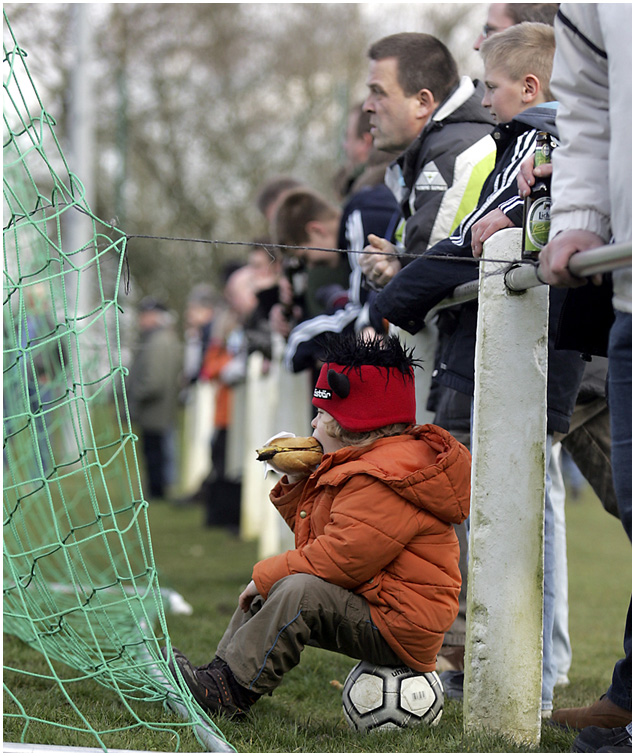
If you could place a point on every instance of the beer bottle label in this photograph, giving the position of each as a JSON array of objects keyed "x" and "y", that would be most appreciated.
[
  {"x": 537, "y": 228},
  {"x": 542, "y": 154}
]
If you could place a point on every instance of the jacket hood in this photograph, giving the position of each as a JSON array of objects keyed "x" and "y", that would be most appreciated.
[
  {"x": 425, "y": 465},
  {"x": 540, "y": 117},
  {"x": 463, "y": 105}
]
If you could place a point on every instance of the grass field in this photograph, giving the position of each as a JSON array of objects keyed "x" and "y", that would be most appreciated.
[{"x": 209, "y": 568}]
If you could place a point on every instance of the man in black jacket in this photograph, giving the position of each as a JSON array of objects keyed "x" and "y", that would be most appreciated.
[
  {"x": 421, "y": 110},
  {"x": 419, "y": 106}
]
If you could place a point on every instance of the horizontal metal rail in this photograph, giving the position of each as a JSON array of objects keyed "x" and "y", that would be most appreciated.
[
  {"x": 582, "y": 265},
  {"x": 522, "y": 276}
]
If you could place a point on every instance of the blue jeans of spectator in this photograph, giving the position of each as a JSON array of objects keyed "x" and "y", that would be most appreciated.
[
  {"x": 620, "y": 398},
  {"x": 154, "y": 451}
]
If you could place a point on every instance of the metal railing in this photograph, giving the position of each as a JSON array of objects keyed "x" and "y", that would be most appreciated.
[{"x": 522, "y": 276}]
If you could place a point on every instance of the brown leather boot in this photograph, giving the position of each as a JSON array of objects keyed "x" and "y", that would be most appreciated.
[
  {"x": 212, "y": 685},
  {"x": 602, "y": 713}
]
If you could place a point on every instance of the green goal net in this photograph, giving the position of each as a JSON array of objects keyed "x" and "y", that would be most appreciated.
[{"x": 80, "y": 583}]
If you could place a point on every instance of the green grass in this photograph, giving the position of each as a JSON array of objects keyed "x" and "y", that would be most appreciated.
[
  {"x": 600, "y": 583},
  {"x": 209, "y": 568}
]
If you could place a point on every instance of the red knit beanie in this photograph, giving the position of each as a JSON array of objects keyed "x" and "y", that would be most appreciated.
[{"x": 365, "y": 397}]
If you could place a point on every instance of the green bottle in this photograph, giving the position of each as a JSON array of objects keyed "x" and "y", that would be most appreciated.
[{"x": 537, "y": 211}]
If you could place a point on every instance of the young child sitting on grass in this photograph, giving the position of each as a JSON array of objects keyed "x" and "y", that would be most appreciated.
[{"x": 374, "y": 573}]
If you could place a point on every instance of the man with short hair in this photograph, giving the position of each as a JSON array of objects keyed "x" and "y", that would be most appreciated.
[
  {"x": 410, "y": 74},
  {"x": 421, "y": 107},
  {"x": 422, "y": 110}
]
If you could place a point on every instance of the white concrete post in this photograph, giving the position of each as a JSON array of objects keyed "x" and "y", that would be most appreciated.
[
  {"x": 198, "y": 430},
  {"x": 425, "y": 345},
  {"x": 256, "y": 432},
  {"x": 290, "y": 403},
  {"x": 503, "y": 653},
  {"x": 81, "y": 123}
]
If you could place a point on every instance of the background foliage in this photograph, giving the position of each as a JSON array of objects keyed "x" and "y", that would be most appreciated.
[{"x": 196, "y": 104}]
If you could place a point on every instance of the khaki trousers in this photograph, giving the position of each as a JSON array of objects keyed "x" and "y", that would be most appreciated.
[
  {"x": 264, "y": 643},
  {"x": 589, "y": 444}
]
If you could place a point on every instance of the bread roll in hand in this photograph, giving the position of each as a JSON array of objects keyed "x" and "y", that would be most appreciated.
[{"x": 296, "y": 455}]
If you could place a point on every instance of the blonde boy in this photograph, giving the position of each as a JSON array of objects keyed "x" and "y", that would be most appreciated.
[{"x": 518, "y": 64}]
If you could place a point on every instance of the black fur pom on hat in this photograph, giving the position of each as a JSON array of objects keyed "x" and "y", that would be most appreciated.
[
  {"x": 380, "y": 351},
  {"x": 366, "y": 383}
]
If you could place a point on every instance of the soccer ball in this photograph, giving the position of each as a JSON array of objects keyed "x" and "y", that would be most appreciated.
[{"x": 385, "y": 698}]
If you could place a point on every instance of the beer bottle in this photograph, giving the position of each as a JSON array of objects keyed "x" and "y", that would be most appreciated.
[{"x": 537, "y": 210}]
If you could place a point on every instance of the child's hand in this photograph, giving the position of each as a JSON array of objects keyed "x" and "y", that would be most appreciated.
[
  {"x": 527, "y": 175},
  {"x": 487, "y": 226},
  {"x": 247, "y": 596},
  {"x": 300, "y": 476}
]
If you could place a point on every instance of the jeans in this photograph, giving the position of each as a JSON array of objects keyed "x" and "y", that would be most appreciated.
[{"x": 620, "y": 398}]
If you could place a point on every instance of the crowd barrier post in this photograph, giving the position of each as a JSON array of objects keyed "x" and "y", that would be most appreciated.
[
  {"x": 198, "y": 429},
  {"x": 503, "y": 654},
  {"x": 257, "y": 429},
  {"x": 288, "y": 402}
]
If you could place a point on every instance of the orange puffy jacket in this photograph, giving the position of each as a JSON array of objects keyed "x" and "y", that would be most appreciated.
[{"x": 377, "y": 521}]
